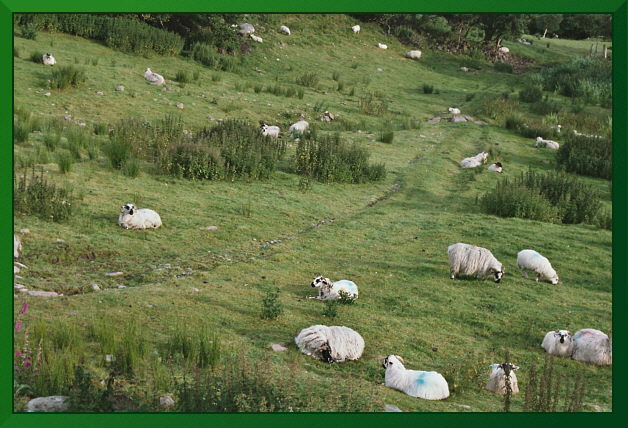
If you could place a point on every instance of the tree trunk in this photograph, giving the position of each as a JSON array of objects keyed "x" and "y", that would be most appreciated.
[{"x": 544, "y": 33}]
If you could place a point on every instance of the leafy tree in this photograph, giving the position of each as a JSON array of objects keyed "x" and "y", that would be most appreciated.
[
  {"x": 542, "y": 22},
  {"x": 498, "y": 26}
]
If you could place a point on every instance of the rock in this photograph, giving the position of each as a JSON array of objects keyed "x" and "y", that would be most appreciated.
[
  {"x": 120, "y": 88},
  {"x": 60, "y": 241},
  {"x": 465, "y": 69},
  {"x": 180, "y": 105},
  {"x": 195, "y": 289},
  {"x": 391, "y": 408},
  {"x": 246, "y": 29},
  {"x": 100, "y": 93},
  {"x": 47, "y": 94},
  {"x": 95, "y": 287},
  {"x": 480, "y": 122},
  {"x": 434, "y": 120},
  {"x": 18, "y": 286},
  {"x": 54, "y": 403},
  {"x": 23, "y": 290},
  {"x": 458, "y": 119},
  {"x": 37, "y": 293},
  {"x": 166, "y": 401},
  {"x": 82, "y": 124},
  {"x": 114, "y": 273},
  {"x": 469, "y": 118},
  {"x": 277, "y": 347},
  {"x": 464, "y": 406},
  {"x": 16, "y": 269},
  {"x": 121, "y": 287},
  {"x": 380, "y": 69},
  {"x": 596, "y": 408},
  {"x": 25, "y": 231},
  {"x": 209, "y": 228},
  {"x": 67, "y": 117}
]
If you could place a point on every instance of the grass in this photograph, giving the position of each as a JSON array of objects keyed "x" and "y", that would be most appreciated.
[{"x": 380, "y": 237}]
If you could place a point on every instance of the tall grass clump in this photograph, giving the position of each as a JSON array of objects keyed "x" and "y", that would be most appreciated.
[
  {"x": 64, "y": 161},
  {"x": 308, "y": 79},
  {"x": 547, "y": 391},
  {"x": 271, "y": 306},
  {"x": 183, "y": 77},
  {"x": 369, "y": 104},
  {"x": 198, "y": 347},
  {"x": 34, "y": 195},
  {"x": 427, "y": 88},
  {"x": 591, "y": 156},
  {"x": 328, "y": 159},
  {"x": 131, "y": 167},
  {"x": 530, "y": 94},
  {"x": 37, "y": 57},
  {"x": 387, "y": 136},
  {"x": 207, "y": 55},
  {"x": 67, "y": 76},
  {"x": 588, "y": 79}
]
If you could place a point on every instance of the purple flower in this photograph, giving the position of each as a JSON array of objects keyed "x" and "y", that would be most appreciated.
[
  {"x": 27, "y": 363},
  {"x": 24, "y": 308},
  {"x": 18, "y": 325},
  {"x": 18, "y": 354}
]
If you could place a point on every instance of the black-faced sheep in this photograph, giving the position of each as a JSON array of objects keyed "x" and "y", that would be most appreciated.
[
  {"x": 495, "y": 167},
  {"x": 48, "y": 59},
  {"x": 328, "y": 290},
  {"x": 592, "y": 346},
  {"x": 270, "y": 131},
  {"x": 330, "y": 344},
  {"x": 132, "y": 218},
  {"x": 559, "y": 343},
  {"x": 416, "y": 383},
  {"x": 465, "y": 259}
]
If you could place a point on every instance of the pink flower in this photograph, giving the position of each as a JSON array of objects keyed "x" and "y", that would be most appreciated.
[
  {"x": 27, "y": 363},
  {"x": 24, "y": 308},
  {"x": 18, "y": 325},
  {"x": 18, "y": 354}
]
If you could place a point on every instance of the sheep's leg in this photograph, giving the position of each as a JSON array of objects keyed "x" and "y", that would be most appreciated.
[
  {"x": 452, "y": 276},
  {"x": 538, "y": 275},
  {"x": 524, "y": 273}
]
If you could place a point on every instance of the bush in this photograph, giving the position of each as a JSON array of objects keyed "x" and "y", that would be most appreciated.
[
  {"x": 428, "y": 89},
  {"x": 588, "y": 79},
  {"x": 271, "y": 306},
  {"x": 29, "y": 31},
  {"x": 587, "y": 156},
  {"x": 308, "y": 79},
  {"x": 206, "y": 55},
  {"x": 67, "y": 76},
  {"x": 546, "y": 106},
  {"x": 368, "y": 104},
  {"x": 335, "y": 76},
  {"x": 503, "y": 67},
  {"x": 37, "y": 57},
  {"x": 183, "y": 77},
  {"x": 131, "y": 167},
  {"x": 330, "y": 308},
  {"x": 387, "y": 137},
  {"x": 35, "y": 196},
  {"x": 515, "y": 121},
  {"x": 101, "y": 129},
  {"x": 530, "y": 94}
]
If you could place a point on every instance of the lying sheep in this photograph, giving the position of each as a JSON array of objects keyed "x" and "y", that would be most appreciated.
[
  {"x": 269, "y": 131},
  {"x": 540, "y": 142},
  {"x": 246, "y": 29},
  {"x": 153, "y": 78},
  {"x": 504, "y": 49},
  {"x": 256, "y": 38},
  {"x": 328, "y": 290},
  {"x": 453, "y": 110},
  {"x": 465, "y": 69},
  {"x": 474, "y": 161},
  {"x": 48, "y": 59},
  {"x": 531, "y": 260},
  {"x": 497, "y": 380},
  {"x": 17, "y": 246},
  {"x": 592, "y": 346},
  {"x": 382, "y": 46},
  {"x": 330, "y": 344},
  {"x": 298, "y": 128},
  {"x": 413, "y": 54},
  {"x": 416, "y": 383},
  {"x": 356, "y": 29},
  {"x": 495, "y": 167},
  {"x": 558, "y": 342},
  {"x": 465, "y": 259},
  {"x": 132, "y": 218},
  {"x": 285, "y": 30}
]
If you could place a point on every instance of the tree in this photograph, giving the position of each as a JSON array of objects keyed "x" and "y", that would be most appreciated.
[
  {"x": 498, "y": 26},
  {"x": 545, "y": 22}
]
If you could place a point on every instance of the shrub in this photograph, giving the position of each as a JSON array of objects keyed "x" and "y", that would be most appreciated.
[
  {"x": 346, "y": 298},
  {"x": 206, "y": 55},
  {"x": 530, "y": 94},
  {"x": 587, "y": 156},
  {"x": 546, "y": 106},
  {"x": 330, "y": 308},
  {"x": 387, "y": 137},
  {"x": 335, "y": 76},
  {"x": 544, "y": 394},
  {"x": 588, "y": 79},
  {"x": 37, "y": 57},
  {"x": 118, "y": 151},
  {"x": 368, "y": 104},
  {"x": 131, "y": 167},
  {"x": 21, "y": 130},
  {"x": 67, "y": 76},
  {"x": 16, "y": 52},
  {"x": 35, "y": 196},
  {"x": 28, "y": 31},
  {"x": 428, "y": 89},
  {"x": 341, "y": 86},
  {"x": 503, "y": 67},
  {"x": 183, "y": 77},
  {"x": 308, "y": 79},
  {"x": 300, "y": 93},
  {"x": 65, "y": 161},
  {"x": 200, "y": 347},
  {"x": 515, "y": 121},
  {"x": 271, "y": 306},
  {"x": 101, "y": 129}
]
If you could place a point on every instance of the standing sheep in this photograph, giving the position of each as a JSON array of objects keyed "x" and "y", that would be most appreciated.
[
  {"x": 413, "y": 54},
  {"x": 497, "y": 380},
  {"x": 356, "y": 29},
  {"x": 328, "y": 290},
  {"x": 330, "y": 344},
  {"x": 153, "y": 78},
  {"x": 285, "y": 30},
  {"x": 592, "y": 346},
  {"x": 465, "y": 259},
  {"x": 531, "y": 260},
  {"x": 298, "y": 128},
  {"x": 270, "y": 131},
  {"x": 549, "y": 144},
  {"x": 495, "y": 167},
  {"x": 132, "y": 218},
  {"x": 48, "y": 59},
  {"x": 17, "y": 246},
  {"x": 474, "y": 161},
  {"x": 559, "y": 343},
  {"x": 416, "y": 383}
]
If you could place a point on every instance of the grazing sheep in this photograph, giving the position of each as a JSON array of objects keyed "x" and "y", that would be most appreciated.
[
  {"x": 298, "y": 128},
  {"x": 48, "y": 59},
  {"x": 246, "y": 29},
  {"x": 465, "y": 69},
  {"x": 17, "y": 246},
  {"x": 504, "y": 49},
  {"x": 132, "y": 218},
  {"x": 416, "y": 383},
  {"x": 285, "y": 30},
  {"x": 558, "y": 342},
  {"x": 465, "y": 259},
  {"x": 474, "y": 161},
  {"x": 256, "y": 38},
  {"x": 454, "y": 110},
  {"x": 497, "y": 380},
  {"x": 153, "y": 78},
  {"x": 592, "y": 346},
  {"x": 413, "y": 54},
  {"x": 270, "y": 131},
  {"x": 356, "y": 29},
  {"x": 330, "y": 344},
  {"x": 531, "y": 260},
  {"x": 540, "y": 142},
  {"x": 496, "y": 167},
  {"x": 382, "y": 46},
  {"x": 328, "y": 290}
]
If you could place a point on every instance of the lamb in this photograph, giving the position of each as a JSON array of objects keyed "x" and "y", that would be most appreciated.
[
  {"x": 48, "y": 59},
  {"x": 356, "y": 29},
  {"x": 465, "y": 259},
  {"x": 454, "y": 110},
  {"x": 132, "y": 218},
  {"x": 415, "y": 383},
  {"x": 246, "y": 29},
  {"x": 382, "y": 46},
  {"x": 17, "y": 246},
  {"x": 413, "y": 54},
  {"x": 474, "y": 161},
  {"x": 496, "y": 167},
  {"x": 270, "y": 131},
  {"x": 328, "y": 290},
  {"x": 531, "y": 260},
  {"x": 330, "y": 344},
  {"x": 153, "y": 78},
  {"x": 497, "y": 380},
  {"x": 559, "y": 343},
  {"x": 540, "y": 142},
  {"x": 504, "y": 49},
  {"x": 592, "y": 346},
  {"x": 285, "y": 30},
  {"x": 256, "y": 38},
  {"x": 299, "y": 127}
]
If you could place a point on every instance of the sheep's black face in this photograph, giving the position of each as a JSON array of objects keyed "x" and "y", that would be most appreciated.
[
  {"x": 385, "y": 363},
  {"x": 326, "y": 355},
  {"x": 498, "y": 276},
  {"x": 319, "y": 280},
  {"x": 128, "y": 209}
]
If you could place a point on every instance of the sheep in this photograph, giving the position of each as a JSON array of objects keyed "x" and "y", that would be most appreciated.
[
  {"x": 153, "y": 78},
  {"x": 48, "y": 59},
  {"x": 413, "y": 54},
  {"x": 465, "y": 69},
  {"x": 299, "y": 127},
  {"x": 132, "y": 218},
  {"x": 246, "y": 29},
  {"x": 17, "y": 246},
  {"x": 504, "y": 49},
  {"x": 592, "y": 346},
  {"x": 453, "y": 110},
  {"x": 474, "y": 161},
  {"x": 256, "y": 38},
  {"x": 558, "y": 342},
  {"x": 540, "y": 142},
  {"x": 382, "y": 46},
  {"x": 497, "y": 379},
  {"x": 465, "y": 259},
  {"x": 496, "y": 167},
  {"x": 356, "y": 29},
  {"x": 270, "y": 131},
  {"x": 330, "y": 344},
  {"x": 531, "y": 260},
  {"x": 285, "y": 30},
  {"x": 328, "y": 290},
  {"x": 557, "y": 128},
  {"x": 415, "y": 383}
]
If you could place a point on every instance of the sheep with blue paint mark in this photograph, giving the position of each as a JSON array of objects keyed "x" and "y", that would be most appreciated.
[
  {"x": 328, "y": 290},
  {"x": 333, "y": 344},
  {"x": 497, "y": 380},
  {"x": 592, "y": 346},
  {"x": 415, "y": 383},
  {"x": 559, "y": 343},
  {"x": 532, "y": 260}
]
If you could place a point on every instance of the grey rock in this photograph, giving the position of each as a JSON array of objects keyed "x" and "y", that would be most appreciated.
[
  {"x": 458, "y": 119},
  {"x": 391, "y": 408},
  {"x": 120, "y": 88},
  {"x": 464, "y": 406},
  {"x": 100, "y": 93},
  {"x": 54, "y": 403},
  {"x": 434, "y": 120},
  {"x": 277, "y": 347},
  {"x": 166, "y": 401},
  {"x": 180, "y": 105},
  {"x": 25, "y": 231},
  {"x": 38, "y": 293},
  {"x": 114, "y": 274},
  {"x": 209, "y": 228},
  {"x": 469, "y": 118},
  {"x": 19, "y": 286},
  {"x": 480, "y": 122},
  {"x": 121, "y": 286},
  {"x": 95, "y": 287}
]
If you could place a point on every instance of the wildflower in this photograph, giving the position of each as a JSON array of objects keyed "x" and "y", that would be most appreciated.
[
  {"x": 27, "y": 363},
  {"x": 24, "y": 308},
  {"x": 18, "y": 354},
  {"x": 18, "y": 325}
]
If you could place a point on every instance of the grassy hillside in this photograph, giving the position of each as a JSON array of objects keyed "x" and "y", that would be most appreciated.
[{"x": 389, "y": 237}]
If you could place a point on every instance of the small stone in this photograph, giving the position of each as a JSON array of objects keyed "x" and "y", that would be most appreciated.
[
  {"x": 469, "y": 118},
  {"x": 433, "y": 349},
  {"x": 23, "y": 290},
  {"x": 114, "y": 274},
  {"x": 18, "y": 286},
  {"x": 209, "y": 228},
  {"x": 180, "y": 105},
  {"x": 464, "y": 406},
  {"x": 37, "y": 293},
  {"x": 458, "y": 119},
  {"x": 95, "y": 287},
  {"x": 82, "y": 124},
  {"x": 380, "y": 69},
  {"x": 47, "y": 94},
  {"x": 480, "y": 122},
  {"x": 67, "y": 117},
  {"x": 121, "y": 286},
  {"x": 167, "y": 266},
  {"x": 109, "y": 358},
  {"x": 166, "y": 401},
  {"x": 16, "y": 269},
  {"x": 25, "y": 231},
  {"x": 73, "y": 313},
  {"x": 120, "y": 88},
  {"x": 54, "y": 403},
  {"x": 277, "y": 347},
  {"x": 100, "y": 93},
  {"x": 195, "y": 289},
  {"x": 391, "y": 408},
  {"x": 60, "y": 241}
]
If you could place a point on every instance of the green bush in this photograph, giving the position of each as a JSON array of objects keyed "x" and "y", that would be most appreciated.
[
  {"x": 35, "y": 196},
  {"x": 584, "y": 155},
  {"x": 387, "y": 137},
  {"x": 131, "y": 167},
  {"x": 546, "y": 106},
  {"x": 335, "y": 76},
  {"x": 588, "y": 79},
  {"x": 530, "y": 94},
  {"x": 428, "y": 89},
  {"x": 503, "y": 67},
  {"x": 271, "y": 306},
  {"x": 183, "y": 77},
  {"x": 37, "y": 57},
  {"x": 118, "y": 151},
  {"x": 29, "y": 31},
  {"x": 65, "y": 161},
  {"x": 369, "y": 104},
  {"x": 101, "y": 129},
  {"x": 308, "y": 79},
  {"x": 66, "y": 76},
  {"x": 330, "y": 308},
  {"x": 515, "y": 121},
  {"x": 206, "y": 55}
]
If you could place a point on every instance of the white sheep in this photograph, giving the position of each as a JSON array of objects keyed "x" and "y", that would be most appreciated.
[
  {"x": 132, "y": 218},
  {"x": 328, "y": 290},
  {"x": 474, "y": 161},
  {"x": 330, "y": 344},
  {"x": 285, "y": 30},
  {"x": 17, "y": 246},
  {"x": 356, "y": 29},
  {"x": 497, "y": 379},
  {"x": 246, "y": 29},
  {"x": 299, "y": 127},
  {"x": 382, "y": 46},
  {"x": 256, "y": 38},
  {"x": 453, "y": 110},
  {"x": 540, "y": 142},
  {"x": 465, "y": 69},
  {"x": 558, "y": 342},
  {"x": 592, "y": 346},
  {"x": 269, "y": 131},
  {"x": 416, "y": 383},
  {"x": 48, "y": 59},
  {"x": 153, "y": 78},
  {"x": 465, "y": 259},
  {"x": 413, "y": 54},
  {"x": 504, "y": 49},
  {"x": 495, "y": 167},
  {"x": 532, "y": 260}
]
